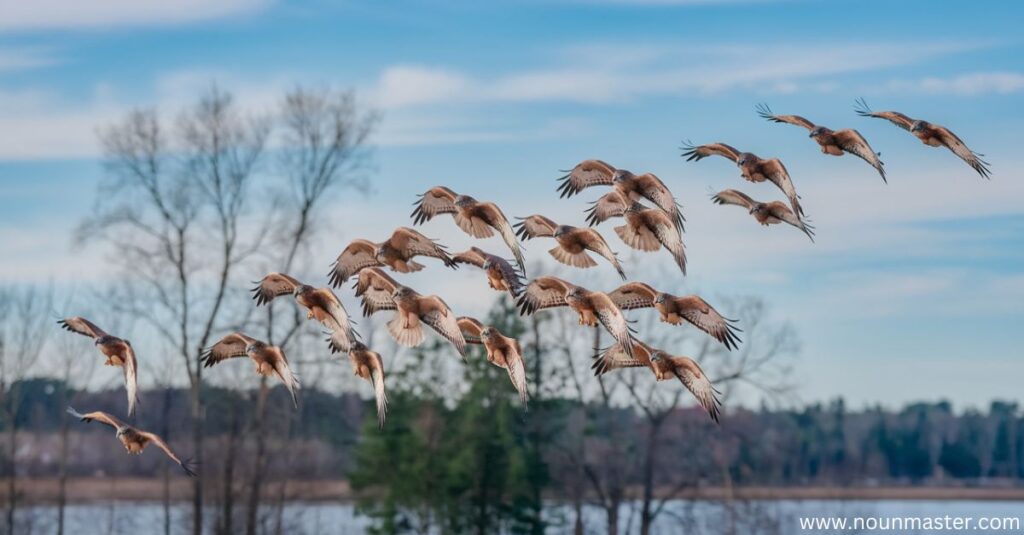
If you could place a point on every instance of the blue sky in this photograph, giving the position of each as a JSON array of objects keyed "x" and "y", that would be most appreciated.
[{"x": 914, "y": 290}]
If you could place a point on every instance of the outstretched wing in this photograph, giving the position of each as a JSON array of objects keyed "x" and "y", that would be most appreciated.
[
  {"x": 851, "y": 141},
  {"x": 668, "y": 234},
  {"x": 764, "y": 111},
  {"x": 633, "y": 295},
  {"x": 953, "y": 143},
  {"x": 777, "y": 173},
  {"x": 698, "y": 312},
  {"x": 284, "y": 372},
  {"x": 496, "y": 218},
  {"x": 82, "y": 326},
  {"x": 652, "y": 188},
  {"x": 586, "y": 173},
  {"x": 535, "y": 226},
  {"x": 594, "y": 241},
  {"x": 99, "y": 416},
  {"x": 376, "y": 289},
  {"x": 609, "y": 205},
  {"x": 613, "y": 320},
  {"x": 411, "y": 243},
  {"x": 893, "y": 117},
  {"x": 131, "y": 379},
  {"x": 439, "y": 316},
  {"x": 358, "y": 255},
  {"x": 274, "y": 285},
  {"x": 471, "y": 329},
  {"x": 337, "y": 317},
  {"x": 376, "y": 365},
  {"x": 732, "y": 196},
  {"x": 693, "y": 378},
  {"x": 615, "y": 357},
  {"x": 543, "y": 292},
  {"x": 159, "y": 442},
  {"x": 516, "y": 368},
  {"x": 780, "y": 211},
  {"x": 699, "y": 152},
  {"x": 474, "y": 256},
  {"x": 231, "y": 346},
  {"x": 439, "y": 200}
]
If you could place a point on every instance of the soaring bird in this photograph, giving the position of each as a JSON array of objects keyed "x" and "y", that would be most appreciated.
[
  {"x": 472, "y": 216},
  {"x": 766, "y": 213},
  {"x": 381, "y": 292},
  {"x": 321, "y": 304},
  {"x": 646, "y": 229},
  {"x": 633, "y": 187},
  {"x": 573, "y": 242},
  {"x": 752, "y": 168},
  {"x": 834, "y": 142},
  {"x": 675, "y": 310},
  {"x": 501, "y": 275},
  {"x": 268, "y": 359},
  {"x": 135, "y": 440},
  {"x": 502, "y": 351},
  {"x": 118, "y": 351},
  {"x": 930, "y": 134},
  {"x": 592, "y": 307},
  {"x": 396, "y": 252},
  {"x": 664, "y": 366},
  {"x": 368, "y": 365}
]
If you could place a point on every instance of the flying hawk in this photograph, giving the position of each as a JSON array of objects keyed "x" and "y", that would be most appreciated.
[
  {"x": 135, "y": 440},
  {"x": 930, "y": 134},
  {"x": 632, "y": 187},
  {"x": 368, "y": 365},
  {"x": 396, "y": 253},
  {"x": 834, "y": 142},
  {"x": 321, "y": 304},
  {"x": 573, "y": 242},
  {"x": 675, "y": 310},
  {"x": 502, "y": 351},
  {"x": 648, "y": 229},
  {"x": 501, "y": 275},
  {"x": 766, "y": 213},
  {"x": 118, "y": 351},
  {"x": 269, "y": 360}
]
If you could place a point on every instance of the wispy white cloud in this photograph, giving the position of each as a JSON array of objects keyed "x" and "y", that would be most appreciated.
[
  {"x": 65, "y": 14},
  {"x": 12, "y": 59},
  {"x": 970, "y": 84}
]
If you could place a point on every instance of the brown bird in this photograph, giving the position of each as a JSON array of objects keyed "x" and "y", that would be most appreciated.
[
  {"x": 770, "y": 213},
  {"x": 752, "y": 168},
  {"x": 674, "y": 310},
  {"x": 472, "y": 216},
  {"x": 119, "y": 352},
  {"x": 134, "y": 440},
  {"x": 834, "y": 142},
  {"x": 368, "y": 365},
  {"x": 268, "y": 359},
  {"x": 647, "y": 229},
  {"x": 321, "y": 304},
  {"x": 930, "y": 134},
  {"x": 573, "y": 242},
  {"x": 664, "y": 366},
  {"x": 396, "y": 252},
  {"x": 632, "y": 187},
  {"x": 502, "y": 351},
  {"x": 592, "y": 307},
  {"x": 381, "y": 292},
  {"x": 501, "y": 275}
]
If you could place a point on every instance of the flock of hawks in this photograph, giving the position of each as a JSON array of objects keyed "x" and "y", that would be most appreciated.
[{"x": 646, "y": 228}]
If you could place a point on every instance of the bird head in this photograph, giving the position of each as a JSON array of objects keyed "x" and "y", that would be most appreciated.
[
  {"x": 817, "y": 131},
  {"x": 918, "y": 126},
  {"x": 574, "y": 293},
  {"x": 758, "y": 207},
  {"x": 488, "y": 264},
  {"x": 464, "y": 200},
  {"x": 255, "y": 346},
  {"x": 487, "y": 332},
  {"x": 121, "y": 431},
  {"x": 635, "y": 208},
  {"x": 303, "y": 288},
  {"x": 660, "y": 298},
  {"x": 105, "y": 339},
  {"x": 655, "y": 356},
  {"x": 621, "y": 175},
  {"x": 356, "y": 345},
  {"x": 562, "y": 230},
  {"x": 401, "y": 292},
  {"x": 744, "y": 158}
]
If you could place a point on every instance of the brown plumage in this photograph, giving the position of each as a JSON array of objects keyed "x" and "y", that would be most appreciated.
[
  {"x": 381, "y": 292},
  {"x": 472, "y": 216},
  {"x": 396, "y": 253},
  {"x": 752, "y": 168},
  {"x": 119, "y": 352},
  {"x": 675, "y": 309},
  {"x": 930, "y": 134},
  {"x": 766, "y": 213},
  {"x": 368, "y": 365},
  {"x": 834, "y": 142},
  {"x": 269, "y": 360},
  {"x": 134, "y": 440},
  {"x": 592, "y": 307},
  {"x": 501, "y": 275},
  {"x": 632, "y": 187},
  {"x": 573, "y": 242},
  {"x": 321, "y": 304},
  {"x": 648, "y": 229},
  {"x": 664, "y": 366},
  {"x": 502, "y": 351}
]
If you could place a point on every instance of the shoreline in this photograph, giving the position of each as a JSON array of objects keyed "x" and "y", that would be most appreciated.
[{"x": 44, "y": 491}]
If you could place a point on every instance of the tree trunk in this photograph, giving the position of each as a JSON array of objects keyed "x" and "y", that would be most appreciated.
[
  {"x": 255, "y": 485},
  {"x": 165, "y": 432},
  {"x": 12, "y": 476},
  {"x": 229, "y": 474},
  {"x": 62, "y": 474},
  {"x": 197, "y": 448},
  {"x": 646, "y": 516}
]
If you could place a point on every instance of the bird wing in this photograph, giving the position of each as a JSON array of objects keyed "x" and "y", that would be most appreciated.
[
  {"x": 358, "y": 255},
  {"x": 693, "y": 378},
  {"x": 613, "y": 320},
  {"x": 851, "y": 141},
  {"x": 780, "y": 211},
  {"x": 633, "y": 295},
  {"x": 439, "y": 200},
  {"x": 159, "y": 442},
  {"x": 274, "y": 285},
  {"x": 615, "y": 357},
  {"x": 376, "y": 365},
  {"x": 516, "y": 368},
  {"x": 698, "y": 312},
  {"x": 496, "y": 218},
  {"x": 82, "y": 326},
  {"x": 439, "y": 316},
  {"x": 586, "y": 173},
  {"x": 893, "y": 117},
  {"x": 376, "y": 289},
  {"x": 509, "y": 274},
  {"x": 471, "y": 329},
  {"x": 652, "y": 188},
  {"x": 131, "y": 379},
  {"x": 764, "y": 111},
  {"x": 412, "y": 243},
  {"x": 609, "y": 205},
  {"x": 699, "y": 152},
  {"x": 732, "y": 196},
  {"x": 953, "y": 143},
  {"x": 284, "y": 372},
  {"x": 231, "y": 346},
  {"x": 473, "y": 256},
  {"x": 594, "y": 241},
  {"x": 99, "y": 416},
  {"x": 668, "y": 234},
  {"x": 543, "y": 292},
  {"x": 777, "y": 173},
  {"x": 535, "y": 226}
]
